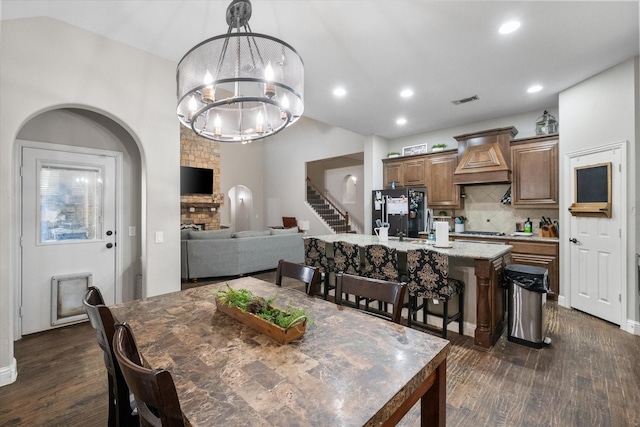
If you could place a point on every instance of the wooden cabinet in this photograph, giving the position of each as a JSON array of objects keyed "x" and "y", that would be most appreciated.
[
  {"x": 393, "y": 172},
  {"x": 535, "y": 171},
  {"x": 413, "y": 173},
  {"x": 539, "y": 254},
  {"x": 534, "y": 253},
  {"x": 442, "y": 193}
]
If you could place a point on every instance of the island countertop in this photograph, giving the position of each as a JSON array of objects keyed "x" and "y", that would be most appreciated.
[{"x": 487, "y": 251}]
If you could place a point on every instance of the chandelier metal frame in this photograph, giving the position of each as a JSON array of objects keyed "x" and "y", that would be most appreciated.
[{"x": 240, "y": 86}]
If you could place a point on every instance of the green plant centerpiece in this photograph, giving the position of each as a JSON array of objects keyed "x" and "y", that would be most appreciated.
[
  {"x": 282, "y": 325},
  {"x": 438, "y": 147}
]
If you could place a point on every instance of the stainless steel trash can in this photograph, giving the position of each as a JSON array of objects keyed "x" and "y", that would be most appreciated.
[{"x": 527, "y": 295}]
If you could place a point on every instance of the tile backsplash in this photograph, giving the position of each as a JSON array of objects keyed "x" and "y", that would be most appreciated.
[{"x": 485, "y": 212}]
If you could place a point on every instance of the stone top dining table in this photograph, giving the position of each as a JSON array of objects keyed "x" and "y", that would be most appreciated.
[
  {"x": 488, "y": 260},
  {"x": 349, "y": 368}
]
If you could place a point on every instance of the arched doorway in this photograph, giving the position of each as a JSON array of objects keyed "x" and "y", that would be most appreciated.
[
  {"x": 65, "y": 142},
  {"x": 241, "y": 207}
]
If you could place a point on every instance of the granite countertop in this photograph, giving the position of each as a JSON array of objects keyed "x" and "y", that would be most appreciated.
[
  {"x": 458, "y": 249},
  {"x": 349, "y": 368},
  {"x": 532, "y": 238}
]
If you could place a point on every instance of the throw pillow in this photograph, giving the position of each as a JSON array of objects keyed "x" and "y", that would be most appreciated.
[
  {"x": 251, "y": 233},
  {"x": 275, "y": 231},
  {"x": 225, "y": 233}
]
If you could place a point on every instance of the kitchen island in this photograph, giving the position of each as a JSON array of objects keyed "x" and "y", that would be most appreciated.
[{"x": 488, "y": 260}]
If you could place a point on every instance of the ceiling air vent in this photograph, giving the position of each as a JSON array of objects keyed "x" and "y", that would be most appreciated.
[{"x": 465, "y": 100}]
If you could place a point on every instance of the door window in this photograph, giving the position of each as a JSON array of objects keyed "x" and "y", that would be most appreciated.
[{"x": 70, "y": 203}]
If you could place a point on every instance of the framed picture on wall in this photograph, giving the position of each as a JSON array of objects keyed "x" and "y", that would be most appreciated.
[{"x": 414, "y": 149}]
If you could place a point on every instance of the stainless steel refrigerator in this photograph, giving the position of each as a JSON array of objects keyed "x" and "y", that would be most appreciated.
[{"x": 403, "y": 210}]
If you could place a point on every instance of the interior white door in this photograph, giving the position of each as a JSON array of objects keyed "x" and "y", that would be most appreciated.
[
  {"x": 68, "y": 234},
  {"x": 596, "y": 248}
]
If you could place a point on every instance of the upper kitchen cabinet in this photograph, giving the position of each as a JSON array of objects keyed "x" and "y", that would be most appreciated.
[
  {"x": 393, "y": 172},
  {"x": 413, "y": 172},
  {"x": 535, "y": 171},
  {"x": 441, "y": 191}
]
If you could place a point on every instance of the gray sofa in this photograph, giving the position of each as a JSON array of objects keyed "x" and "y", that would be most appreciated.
[{"x": 224, "y": 252}]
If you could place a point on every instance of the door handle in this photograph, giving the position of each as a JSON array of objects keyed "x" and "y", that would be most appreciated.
[
  {"x": 574, "y": 240},
  {"x": 109, "y": 245}
]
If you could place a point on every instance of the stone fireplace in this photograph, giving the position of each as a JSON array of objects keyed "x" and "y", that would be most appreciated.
[{"x": 198, "y": 152}]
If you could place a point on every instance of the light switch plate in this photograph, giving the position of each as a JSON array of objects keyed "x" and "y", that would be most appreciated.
[
  {"x": 132, "y": 230},
  {"x": 159, "y": 237}
]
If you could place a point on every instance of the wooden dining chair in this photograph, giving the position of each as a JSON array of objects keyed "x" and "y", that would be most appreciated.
[
  {"x": 379, "y": 290},
  {"x": 428, "y": 279},
  {"x": 153, "y": 389},
  {"x": 309, "y": 275},
  {"x": 122, "y": 411}
]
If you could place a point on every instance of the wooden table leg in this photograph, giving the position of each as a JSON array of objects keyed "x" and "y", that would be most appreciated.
[{"x": 433, "y": 405}]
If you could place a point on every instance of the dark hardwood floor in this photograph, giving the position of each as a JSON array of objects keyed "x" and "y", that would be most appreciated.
[{"x": 589, "y": 376}]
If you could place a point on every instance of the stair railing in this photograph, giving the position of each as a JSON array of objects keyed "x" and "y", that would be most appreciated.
[{"x": 344, "y": 215}]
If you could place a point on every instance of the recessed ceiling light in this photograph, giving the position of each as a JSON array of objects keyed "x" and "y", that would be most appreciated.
[
  {"x": 339, "y": 91},
  {"x": 406, "y": 93},
  {"x": 509, "y": 27},
  {"x": 534, "y": 89},
  {"x": 401, "y": 121}
]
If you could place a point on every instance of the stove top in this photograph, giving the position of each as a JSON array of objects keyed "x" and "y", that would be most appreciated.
[{"x": 483, "y": 233}]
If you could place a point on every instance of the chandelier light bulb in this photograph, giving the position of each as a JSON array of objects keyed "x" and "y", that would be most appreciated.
[
  {"x": 217, "y": 126},
  {"x": 284, "y": 104},
  {"x": 193, "y": 106},
  {"x": 269, "y": 87},
  {"x": 208, "y": 92},
  {"x": 260, "y": 123}
]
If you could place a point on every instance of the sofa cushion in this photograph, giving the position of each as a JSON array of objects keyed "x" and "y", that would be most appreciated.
[
  {"x": 184, "y": 234},
  {"x": 251, "y": 233},
  {"x": 225, "y": 233},
  {"x": 275, "y": 231}
]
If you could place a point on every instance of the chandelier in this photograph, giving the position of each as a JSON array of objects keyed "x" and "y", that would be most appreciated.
[{"x": 240, "y": 86}]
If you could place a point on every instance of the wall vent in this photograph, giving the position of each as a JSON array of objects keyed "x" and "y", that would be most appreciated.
[{"x": 465, "y": 100}]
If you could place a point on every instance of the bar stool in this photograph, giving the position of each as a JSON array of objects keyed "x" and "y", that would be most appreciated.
[
  {"x": 315, "y": 255},
  {"x": 428, "y": 279},
  {"x": 381, "y": 263},
  {"x": 346, "y": 259}
]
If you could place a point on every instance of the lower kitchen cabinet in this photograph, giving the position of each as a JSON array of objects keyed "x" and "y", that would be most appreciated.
[{"x": 539, "y": 254}]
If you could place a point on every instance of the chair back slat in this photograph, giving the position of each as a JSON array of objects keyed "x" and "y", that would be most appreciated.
[
  {"x": 153, "y": 389},
  {"x": 309, "y": 275},
  {"x": 380, "y": 290},
  {"x": 102, "y": 320}
]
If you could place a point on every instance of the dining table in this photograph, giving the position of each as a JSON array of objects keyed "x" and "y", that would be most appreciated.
[
  {"x": 488, "y": 261},
  {"x": 348, "y": 369}
]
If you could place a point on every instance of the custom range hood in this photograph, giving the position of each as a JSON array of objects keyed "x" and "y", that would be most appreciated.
[{"x": 484, "y": 157}]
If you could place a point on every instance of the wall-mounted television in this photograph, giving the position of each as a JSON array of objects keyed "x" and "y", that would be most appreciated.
[{"x": 196, "y": 180}]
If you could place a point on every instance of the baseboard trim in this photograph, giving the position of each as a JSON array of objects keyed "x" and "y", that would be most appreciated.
[
  {"x": 562, "y": 301},
  {"x": 8, "y": 374},
  {"x": 633, "y": 327}
]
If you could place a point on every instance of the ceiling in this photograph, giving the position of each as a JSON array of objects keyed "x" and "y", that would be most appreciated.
[{"x": 443, "y": 50}]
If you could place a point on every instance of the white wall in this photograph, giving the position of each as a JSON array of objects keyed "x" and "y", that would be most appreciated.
[
  {"x": 601, "y": 110},
  {"x": 286, "y": 155},
  {"x": 45, "y": 65}
]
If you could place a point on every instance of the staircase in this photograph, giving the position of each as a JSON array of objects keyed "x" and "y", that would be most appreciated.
[{"x": 335, "y": 219}]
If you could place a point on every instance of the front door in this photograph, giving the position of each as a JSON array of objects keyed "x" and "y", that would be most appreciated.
[
  {"x": 68, "y": 234},
  {"x": 596, "y": 250}
]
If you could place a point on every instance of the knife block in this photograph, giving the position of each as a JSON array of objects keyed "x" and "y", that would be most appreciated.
[{"x": 548, "y": 231}]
